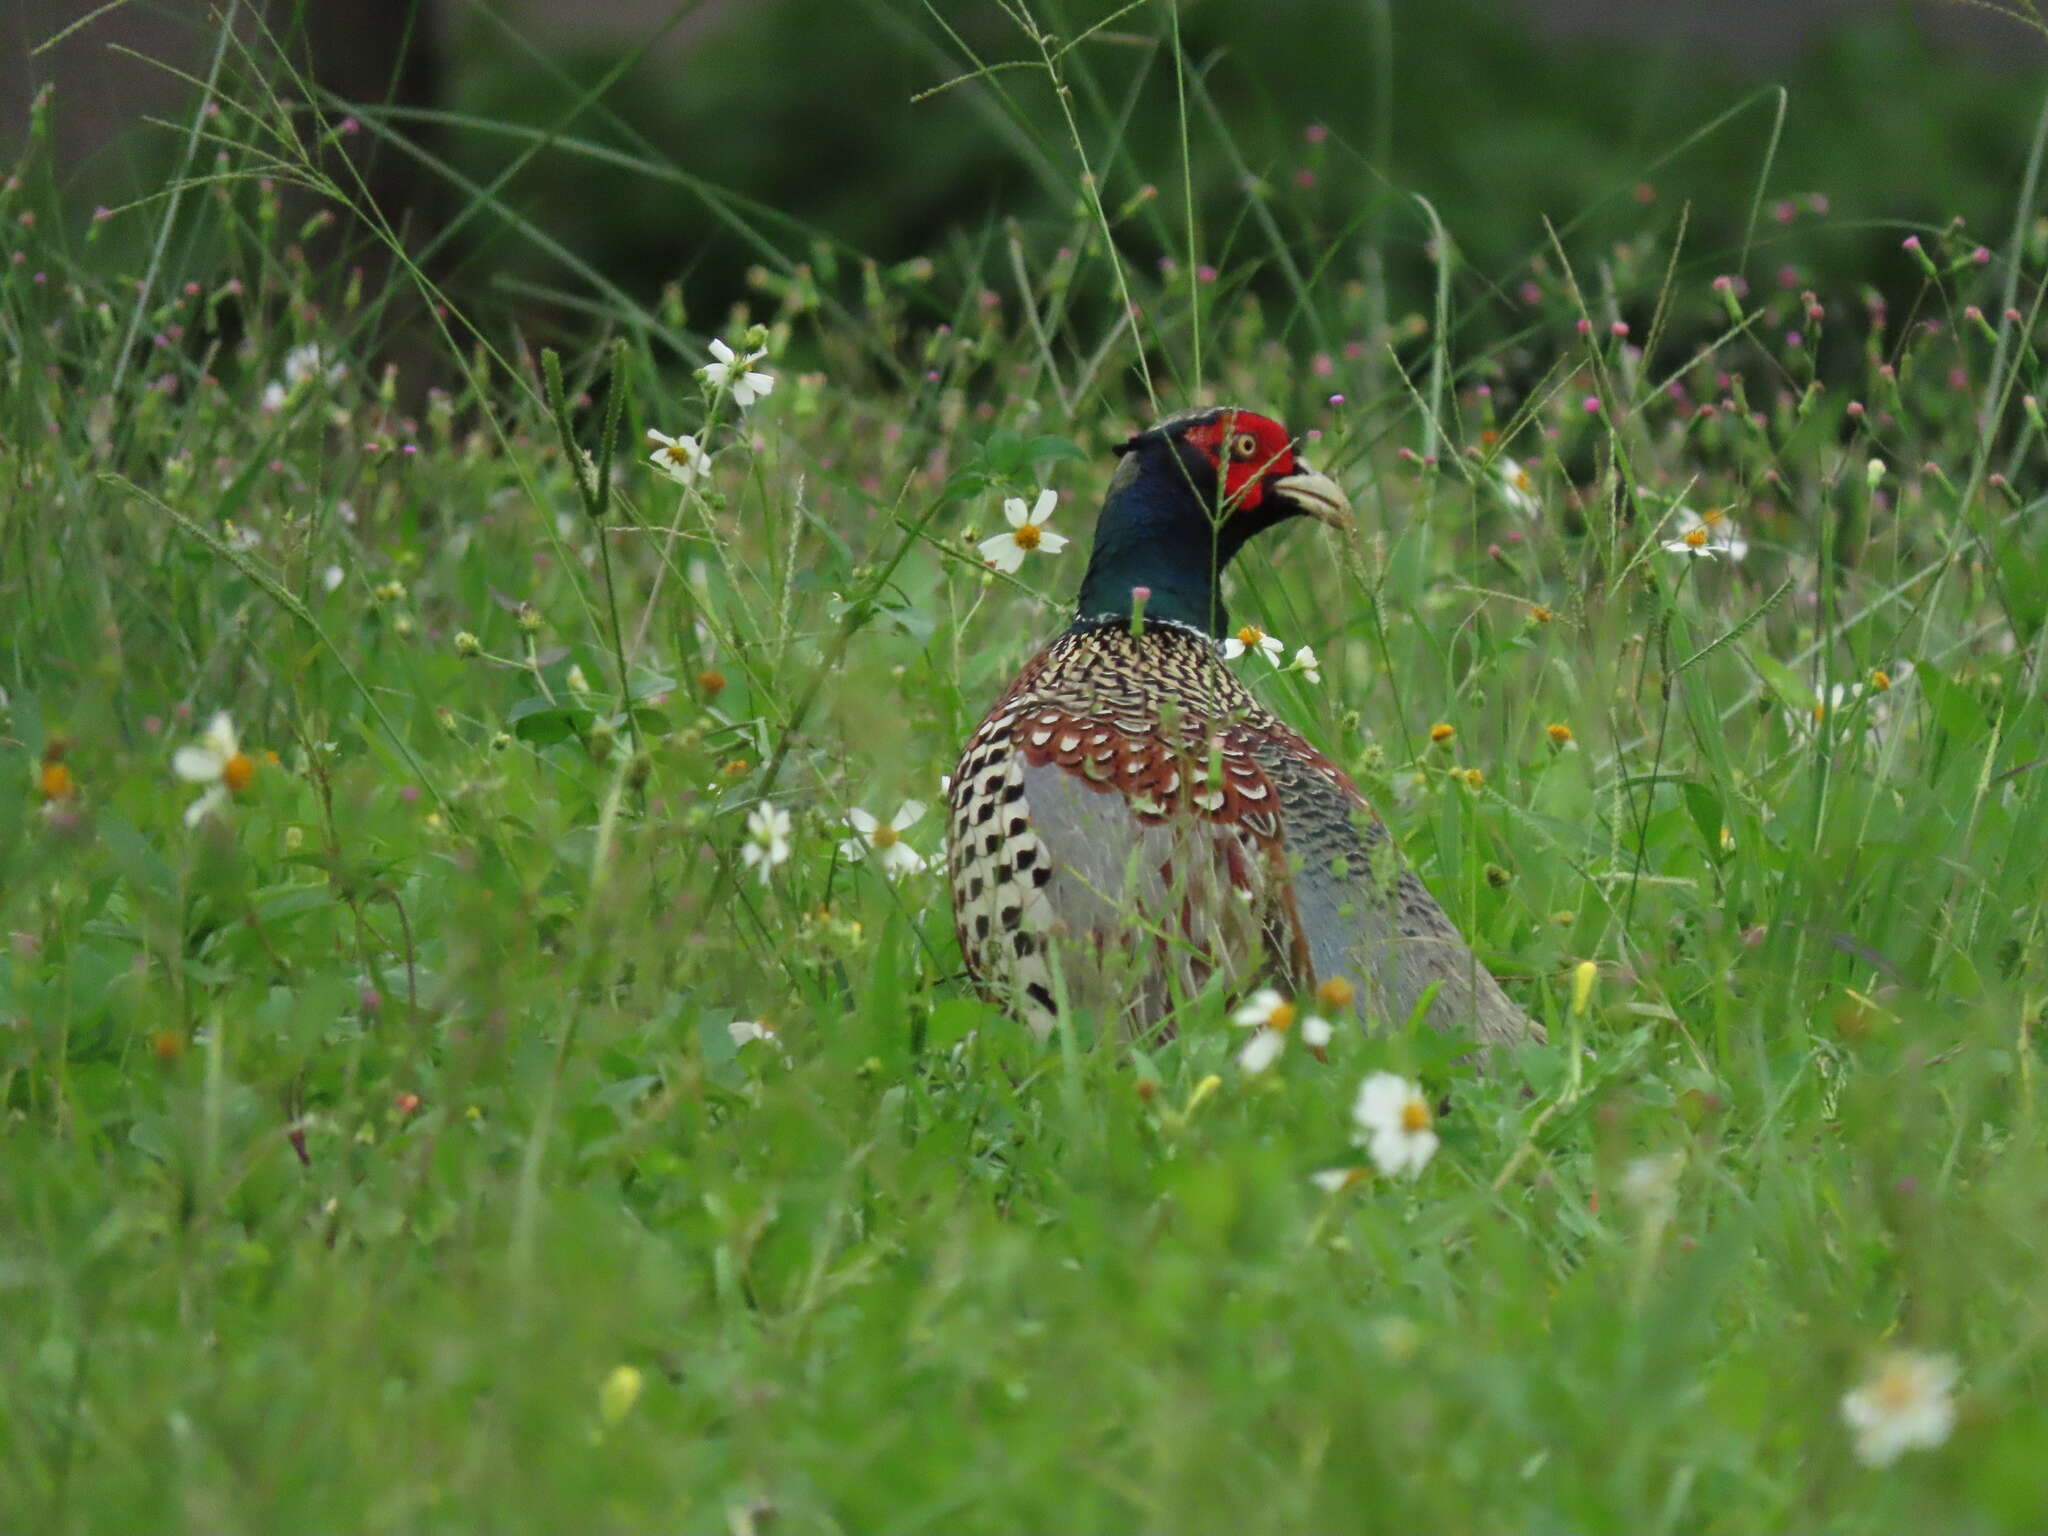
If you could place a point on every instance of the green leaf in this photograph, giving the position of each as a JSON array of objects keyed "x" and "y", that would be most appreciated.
[
  {"x": 1039, "y": 449},
  {"x": 1956, "y": 709}
]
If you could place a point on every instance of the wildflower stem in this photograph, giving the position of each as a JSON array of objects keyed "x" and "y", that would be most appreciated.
[{"x": 595, "y": 491}]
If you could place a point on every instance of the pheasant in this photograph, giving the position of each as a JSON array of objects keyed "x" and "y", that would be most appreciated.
[{"x": 1128, "y": 822}]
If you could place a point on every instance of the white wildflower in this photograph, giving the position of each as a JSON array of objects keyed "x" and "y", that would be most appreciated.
[
  {"x": 1252, "y": 638},
  {"x": 1271, "y": 1017},
  {"x": 1907, "y": 1404},
  {"x": 885, "y": 839},
  {"x": 218, "y": 762},
  {"x": 1028, "y": 532},
  {"x": 1394, "y": 1124},
  {"x": 1723, "y": 537},
  {"x": 767, "y": 842},
  {"x": 1517, "y": 487},
  {"x": 736, "y": 372},
  {"x": 682, "y": 459}
]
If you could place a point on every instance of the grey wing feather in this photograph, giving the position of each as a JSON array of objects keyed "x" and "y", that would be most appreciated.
[
  {"x": 1139, "y": 912},
  {"x": 1363, "y": 915}
]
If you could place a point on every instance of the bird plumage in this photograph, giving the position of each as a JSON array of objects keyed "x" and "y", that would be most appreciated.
[{"x": 1128, "y": 821}]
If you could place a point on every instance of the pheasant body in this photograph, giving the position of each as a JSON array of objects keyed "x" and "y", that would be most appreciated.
[{"x": 1128, "y": 822}]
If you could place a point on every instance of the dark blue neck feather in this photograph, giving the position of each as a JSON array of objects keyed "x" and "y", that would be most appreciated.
[{"x": 1155, "y": 531}]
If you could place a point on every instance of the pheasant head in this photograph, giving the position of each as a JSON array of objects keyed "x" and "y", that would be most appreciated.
[{"x": 1187, "y": 494}]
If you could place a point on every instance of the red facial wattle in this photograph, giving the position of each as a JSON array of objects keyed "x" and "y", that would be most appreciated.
[{"x": 1246, "y": 450}]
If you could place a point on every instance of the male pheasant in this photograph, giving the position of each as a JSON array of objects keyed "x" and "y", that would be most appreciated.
[{"x": 1128, "y": 822}]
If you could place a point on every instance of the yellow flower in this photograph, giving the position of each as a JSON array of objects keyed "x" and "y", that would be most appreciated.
[
  {"x": 1335, "y": 994},
  {"x": 621, "y": 1390},
  {"x": 1559, "y": 734},
  {"x": 1442, "y": 732}
]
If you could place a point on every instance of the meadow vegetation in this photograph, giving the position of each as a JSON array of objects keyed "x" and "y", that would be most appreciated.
[{"x": 421, "y": 1111}]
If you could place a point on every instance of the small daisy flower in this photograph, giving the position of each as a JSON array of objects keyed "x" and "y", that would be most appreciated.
[
  {"x": 1517, "y": 487},
  {"x": 1723, "y": 537},
  {"x": 745, "y": 1032},
  {"x": 1006, "y": 551},
  {"x": 731, "y": 370},
  {"x": 1270, "y": 1017},
  {"x": 767, "y": 843},
  {"x": 1306, "y": 664},
  {"x": 682, "y": 459},
  {"x": 896, "y": 857},
  {"x": 1394, "y": 1124},
  {"x": 1253, "y": 638},
  {"x": 301, "y": 364},
  {"x": 218, "y": 762},
  {"x": 1907, "y": 1404},
  {"x": 1695, "y": 544}
]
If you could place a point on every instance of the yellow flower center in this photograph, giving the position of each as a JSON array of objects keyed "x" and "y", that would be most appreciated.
[
  {"x": 1474, "y": 778},
  {"x": 1712, "y": 517},
  {"x": 237, "y": 771},
  {"x": 885, "y": 837},
  {"x": 1414, "y": 1116},
  {"x": 1895, "y": 1390},
  {"x": 1540, "y": 614},
  {"x": 1881, "y": 680},
  {"x": 1442, "y": 732},
  {"x": 677, "y": 454},
  {"x": 1696, "y": 538},
  {"x": 1281, "y": 1019},
  {"x": 1335, "y": 993},
  {"x": 54, "y": 780},
  {"x": 1520, "y": 480},
  {"x": 1027, "y": 536},
  {"x": 1250, "y": 636},
  {"x": 1558, "y": 733}
]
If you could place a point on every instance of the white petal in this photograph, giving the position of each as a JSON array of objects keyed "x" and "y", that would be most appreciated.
[
  {"x": 1315, "y": 1031},
  {"x": 1381, "y": 1098},
  {"x": 197, "y": 811},
  {"x": 1003, "y": 552},
  {"x": 1391, "y": 1152},
  {"x": 854, "y": 849},
  {"x": 220, "y": 735},
  {"x": 720, "y": 350},
  {"x": 862, "y": 821},
  {"x": 1330, "y": 1180},
  {"x": 1050, "y": 543},
  {"x": 1015, "y": 513},
  {"x": 1233, "y": 648},
  {"x": 761, "y": 383},
  {"x": 197, "y": 765},
  {"x": 901, "y": 859},
  {"x": 908, "y": 816},
  {"x": 1042, "y": 508},
  {"x": 1258, "y": 1008},
  {"x": 1262, "y": 1050}
]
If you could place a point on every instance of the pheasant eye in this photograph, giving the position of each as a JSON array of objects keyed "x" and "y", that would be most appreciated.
[{"x": 1244, "y": 446}]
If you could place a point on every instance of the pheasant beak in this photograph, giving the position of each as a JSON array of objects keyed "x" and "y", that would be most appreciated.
[{"x": 1316, "y": 496}]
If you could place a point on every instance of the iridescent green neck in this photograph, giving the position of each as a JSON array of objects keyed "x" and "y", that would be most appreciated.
[{"x": 1155, "y": 533}]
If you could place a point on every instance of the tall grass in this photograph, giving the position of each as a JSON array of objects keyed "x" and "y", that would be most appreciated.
[{"x": 379, "y": 1153}]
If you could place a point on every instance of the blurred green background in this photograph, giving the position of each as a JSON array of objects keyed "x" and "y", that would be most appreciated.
[{"x": 1608, "y": 121}]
